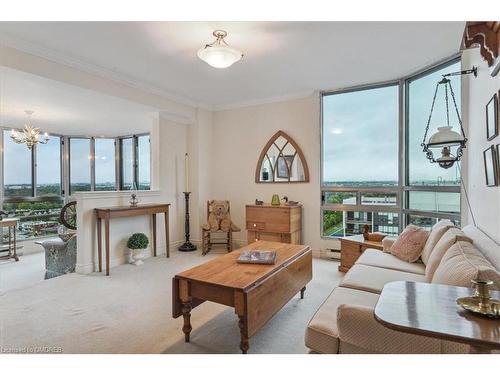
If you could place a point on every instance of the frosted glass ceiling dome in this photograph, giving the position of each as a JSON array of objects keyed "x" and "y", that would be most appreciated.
[{"x": 218, "y": 54}]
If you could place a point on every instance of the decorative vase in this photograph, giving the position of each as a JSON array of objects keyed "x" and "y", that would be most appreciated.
[
  {"x": 137, "y": 257},
  {"x": 133, "y": 200},
  {"x": 275, "y": 201}
]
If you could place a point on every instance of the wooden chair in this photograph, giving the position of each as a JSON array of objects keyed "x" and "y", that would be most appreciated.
[{"x": 207, "y": 239}]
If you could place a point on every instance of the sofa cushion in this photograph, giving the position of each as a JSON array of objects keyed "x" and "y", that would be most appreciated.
[
  {"x": 410, "y": 243},
  {"x": 377, "y": 258},
  {"x": 372, "y": 279},
  {"x": 463, "y": 263},
  {"x": 435, "y": 234},
  {"x": 450, "y": 237},
  {"x": 321, "y": 333},
  {"x": 486, "y": 246}
]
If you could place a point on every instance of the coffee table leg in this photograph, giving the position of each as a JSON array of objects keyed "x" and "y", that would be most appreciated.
[
  {"x": 244, "y": 346},
  {"x": 302, "y": 291},
  {"x": 186, "y": 314}
]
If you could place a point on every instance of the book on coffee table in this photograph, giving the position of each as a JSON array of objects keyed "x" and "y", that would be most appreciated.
[{"x": 257, "y": 257}]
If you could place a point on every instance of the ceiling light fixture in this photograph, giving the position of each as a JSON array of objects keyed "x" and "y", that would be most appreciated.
[
  {"x": 218, "y": 54},
  {"x": 446, "y": 138},
  {"x": 29, "y": 134}
]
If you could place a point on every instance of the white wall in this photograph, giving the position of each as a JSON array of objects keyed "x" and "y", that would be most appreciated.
[
  {"x": 238, "y": 138},
  {"x": 485, "y": 201}
]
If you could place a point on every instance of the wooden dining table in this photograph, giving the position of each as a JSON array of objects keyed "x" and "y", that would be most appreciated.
[{"x": 107, "y": 213}]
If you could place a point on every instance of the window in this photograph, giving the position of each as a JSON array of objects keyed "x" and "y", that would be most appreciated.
[
  {"x": 48, "y": 168},
  {"x": 365, "y": 181},
  {"x": 360, "y": 137},
  {"x": 144, "y": 162},
  {"x": 79, "y": 164},
  {"x": 420, "y": 91},
  {"x": 135, "y": 162},
  {"x": 105, "y": 164},
  {"x": 127, "y": 163},
  {"x": 17, "y": 171},
  {"x": 32, "y": 187}
]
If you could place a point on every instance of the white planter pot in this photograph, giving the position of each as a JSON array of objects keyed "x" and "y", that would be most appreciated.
[{"x": 136, "y": 257}]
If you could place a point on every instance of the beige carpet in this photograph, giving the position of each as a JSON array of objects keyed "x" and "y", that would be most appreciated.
[{"x": 130, "y": 312}]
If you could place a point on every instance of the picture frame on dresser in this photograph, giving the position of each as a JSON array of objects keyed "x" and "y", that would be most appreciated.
[
  {"x": 490, "y": 166},
  {"x": 492, "y": 118}
]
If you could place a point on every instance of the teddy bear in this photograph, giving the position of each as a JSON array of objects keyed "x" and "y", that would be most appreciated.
[{"x": 219, "y": 218}]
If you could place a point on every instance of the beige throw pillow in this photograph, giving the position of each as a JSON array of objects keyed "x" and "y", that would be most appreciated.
[
  {"x": 449, "y": 238},
  {"x": 435, "y": 235},
  {"x": 463, "y": 263},
  {"x": 410, "y": 243}
]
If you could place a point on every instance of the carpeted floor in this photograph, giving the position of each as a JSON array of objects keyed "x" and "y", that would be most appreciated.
[{"x": 130, "y": 312}]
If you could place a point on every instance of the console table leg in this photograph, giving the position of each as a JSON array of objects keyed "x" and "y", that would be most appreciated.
[
  {"x": 99, "y": 243},
  {"x": 302, "y": 291},
  {"x": 106, "y": 238},
  {"x": 186, "y": 314},
  {"x": 154, "y": 234},
  {"x": 167, "y": 234},
  {"x": 244, "y": 346}
]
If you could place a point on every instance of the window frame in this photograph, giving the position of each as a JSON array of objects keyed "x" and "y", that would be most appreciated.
[{"x": 403, "y": 188}]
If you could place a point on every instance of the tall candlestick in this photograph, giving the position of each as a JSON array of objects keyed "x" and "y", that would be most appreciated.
[{"x": 186, "y": 172}]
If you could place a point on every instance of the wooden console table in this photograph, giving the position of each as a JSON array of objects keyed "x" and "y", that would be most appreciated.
[
  {"x": 126, "y": 211},
  {"x": 351, "y": 249},
  {"x": 256, "y": 291},
  {"x": 431, "y": 310},
  {"x": 11, "y": 224}
]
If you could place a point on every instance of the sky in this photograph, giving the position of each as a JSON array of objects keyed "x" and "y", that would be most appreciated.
[{"x": 360, "y": 135}]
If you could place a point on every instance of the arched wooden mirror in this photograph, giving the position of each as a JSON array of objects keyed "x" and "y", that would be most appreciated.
[{"x": 281, "y": 160}]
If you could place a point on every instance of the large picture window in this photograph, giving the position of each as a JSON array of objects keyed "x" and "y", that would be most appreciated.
[
  {"x": 373, "y": 169},
  {"x": 79, "y": 165},
  {"x": 17, "y": 171}
]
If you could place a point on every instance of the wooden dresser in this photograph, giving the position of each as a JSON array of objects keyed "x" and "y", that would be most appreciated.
[
  {"x": 352, "y": 247},
  {"x": 274, "y": 223}
]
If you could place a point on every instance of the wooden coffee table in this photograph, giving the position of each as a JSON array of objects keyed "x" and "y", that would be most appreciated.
[
  {"x": 431, "y": 310},
  {"x": 256, "y": 291}
]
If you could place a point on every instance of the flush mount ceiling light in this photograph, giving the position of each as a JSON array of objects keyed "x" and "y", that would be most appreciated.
[{"x": 218, "y": 54}]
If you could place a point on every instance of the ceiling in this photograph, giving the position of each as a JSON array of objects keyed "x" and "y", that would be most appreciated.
[
  {"x": 282, "y": 59},
  {"x": 66, "y": 109}
]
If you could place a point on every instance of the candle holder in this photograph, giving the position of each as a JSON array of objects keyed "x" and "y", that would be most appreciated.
[{"x": 187, "y": 245}]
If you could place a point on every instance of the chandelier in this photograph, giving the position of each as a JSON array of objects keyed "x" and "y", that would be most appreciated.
[
  {"x": 218, "y": 54},
  {"x": 446, "y": 138},
  {"x": 29, "y": 134}
]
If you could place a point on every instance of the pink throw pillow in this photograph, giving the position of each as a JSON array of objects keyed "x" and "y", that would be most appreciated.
[{"x": 410, "y": 243}]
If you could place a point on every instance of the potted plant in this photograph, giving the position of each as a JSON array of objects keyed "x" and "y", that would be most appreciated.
[{"x": 136, "y": 243}]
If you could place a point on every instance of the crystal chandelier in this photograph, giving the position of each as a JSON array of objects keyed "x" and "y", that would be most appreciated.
[
  {"x": 29, "y": 134},
  {"x": 218, "y": 54},
  {"x": 446, "y": 138}
]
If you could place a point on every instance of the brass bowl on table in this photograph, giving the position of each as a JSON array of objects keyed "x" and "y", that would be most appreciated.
[{"x": 481, "y": 302}]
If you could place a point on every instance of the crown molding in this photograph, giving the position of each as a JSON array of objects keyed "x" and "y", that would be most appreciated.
[
  {"x": 268, "y": 100},
  {"x": 64, "y": 59}
]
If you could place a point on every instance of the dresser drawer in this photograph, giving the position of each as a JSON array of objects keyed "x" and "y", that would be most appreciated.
[
  {"x": 255, "y": 225},
  {"x": 276, "y": 219}
]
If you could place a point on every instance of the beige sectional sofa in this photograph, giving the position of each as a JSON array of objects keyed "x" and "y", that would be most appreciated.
[{"x": 345, "y": 322}]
